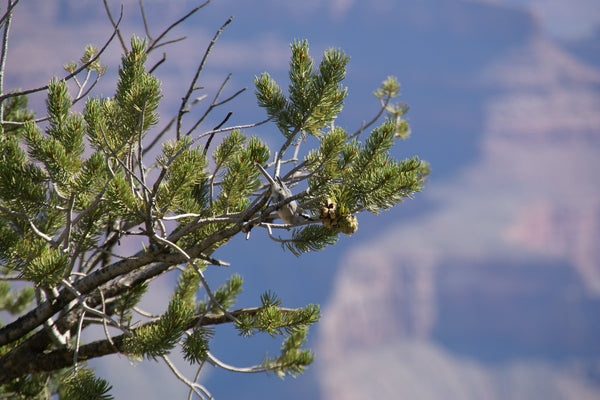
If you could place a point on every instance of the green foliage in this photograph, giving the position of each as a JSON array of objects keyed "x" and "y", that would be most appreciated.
[
  {"x": 270, "y": 318},
  {"x": 195, "y": 346},
  {"x": 325, "y": 158},
  {"x": 12, "y": 302},
  {"x": 315, "y": 95},
  {"x": 293, "y": 360},
  {"x": 373, "y": 180},
  {"x": 27, "y": 387},
  {"x": 46, "y": 268},
  {"x": 115, "y": 125},
  {"x": 292, "y": 324},
  {"x": 82, "y": 384},
  {"x": 240, "y": 178},
  {"x": 122, "y": 201},
  {"x": 310, "y": 238},
  {"x": 61, "y": 148},
  {"x": 15, "y": 109},
  {"x": 19, "y": 178},
  {"x": 157, "y": 339},
  {"x": 125, "y": 303},
  {"x": 226, "y": 294},
  {"x": 345, "y": 175},
  {"x": 185, "y": 170},
  {"x": 389, "y": 89},
  {"x": 90, "y": 52},
  {"x": 187, "y": 286}
]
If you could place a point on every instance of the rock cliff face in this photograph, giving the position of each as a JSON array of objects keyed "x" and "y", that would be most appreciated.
[
  {"x": 496, "y": 292},
  {"x": 545, "y": 125}
]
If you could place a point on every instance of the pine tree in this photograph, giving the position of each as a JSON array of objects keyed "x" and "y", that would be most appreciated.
[{"x": 73, "y": 185}]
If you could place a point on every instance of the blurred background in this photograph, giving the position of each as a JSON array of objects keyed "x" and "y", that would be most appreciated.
[{"x": 487, "y": 284}]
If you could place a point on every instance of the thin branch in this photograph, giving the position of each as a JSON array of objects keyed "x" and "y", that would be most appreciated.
[
  {"x": 115, "y": 25},
  {"x": 77, "y": 339},
  {"x": 162, "y": 60},
  {"x": 55, "y": 335},
  {"x": 68, "y": 224},
  {"x": 191, "y": 261},
  {"x": 84, "y": 83},
  {"x": 200, "y": 390},
  {"x": 4, "y": 52},
  {"x": 53, "y": 332},
  {"x": 160, "y": 135},
  {"x": 130, "y": 173},
  {"x": 180, "y": 216},
  {"x": 153, "y": 44},
  {"x": 72, "y": 74},
  {"x": 92, "y": 205},
  {"x": 91, "y": 310},
  {"x": 21, "y": 123},
  {"x": 228, "y": 129},
  {"x": 31, "y": 224},
  {"x": 215, "y": 103},
  {"x": 214, "y": 261},
  {"x": 195, "y": 379},
  {"x": 284, "y": 146},
  {"x": 170, "y": 42},
  {"x": 248, "y": 370},
  {"x": 144, "y": 20},
  {"x": 84, "y": 94},
  {"x": 371, "y": 122},
  {"x": 148, "y": 198},
  {"x": 104, "y": 324},
  {"x": 210, "y": 138},
  {"x": 14, "y": 278},
  {"x": 170, "y": 123},
  {"x": 191, "y": 88},
  {"x": 145, "y": 313},
  {"x": 8, "y": 11}
]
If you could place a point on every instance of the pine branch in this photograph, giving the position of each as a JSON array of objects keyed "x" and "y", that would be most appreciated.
[{"x": 33, "y": 362}]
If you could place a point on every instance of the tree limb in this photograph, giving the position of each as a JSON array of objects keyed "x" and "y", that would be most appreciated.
[{"x": 32, "y": 361}]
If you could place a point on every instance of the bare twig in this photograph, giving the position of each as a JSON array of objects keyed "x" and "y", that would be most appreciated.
[
  {"x": 127, "y": 168},
  {"x": 104, "y": 324},
  {"x": 364, "y": 125},
  {"x": 159, "y": 62},
  {"x": 192, "y": 86},
  {"x": 145, "y": 313},
  {"x": 191, "y": 392},
  {"x": 72, "y": 74},
  {"x": 155, "y": 42},
  {"x": 91, "y": 310},
  {"x": 210, "y": 138},
  {"x": 31, "y": 224},
  {"x": 254, "y": 369},
  {"x": 200, "y": 390},
  {"x": 8, "y": 12},
  {"x": 115, "y": 25},
  {"x": 8, "y": 15},
  {"x": 215, "y": 103},
  {"x": 145, "y": 20},
  {"x": 77, "y": 339}
]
